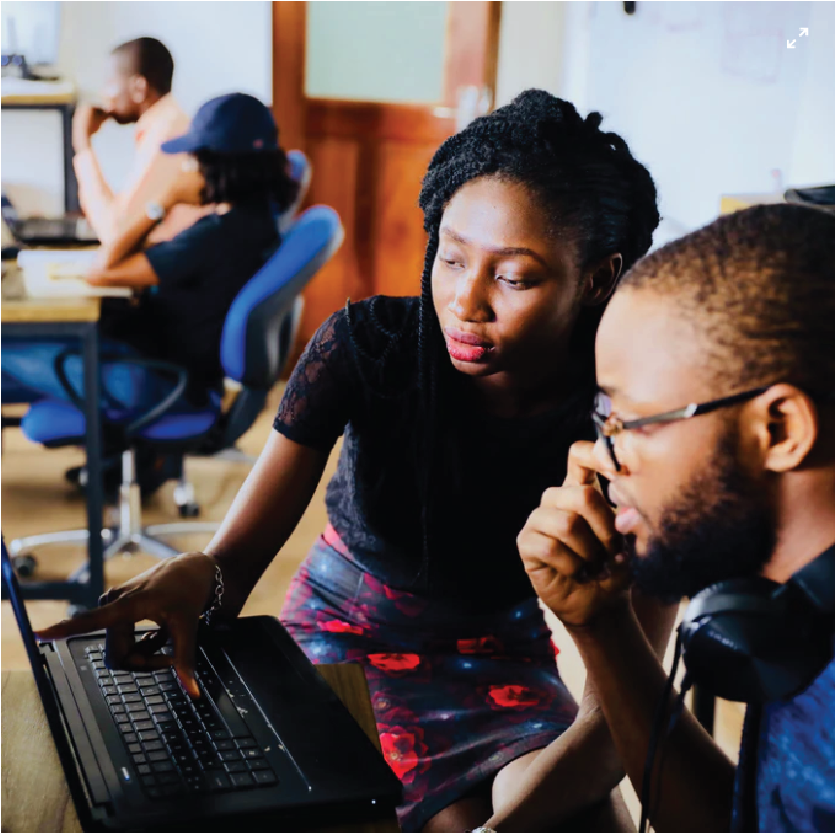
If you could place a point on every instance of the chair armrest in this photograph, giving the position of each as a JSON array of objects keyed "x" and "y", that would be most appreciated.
[
  {"x": 72, "y": 395},
  {"x": 155, "y": 412}
]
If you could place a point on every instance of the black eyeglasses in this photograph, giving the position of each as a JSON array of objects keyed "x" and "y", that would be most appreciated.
[{"x": 607, "y": 425}]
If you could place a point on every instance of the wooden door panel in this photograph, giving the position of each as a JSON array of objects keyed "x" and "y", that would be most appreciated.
[
  {"x": 368, "y": 158},
  {"x": 334, "y": 163},
  {"x": 400, "y": 241}
]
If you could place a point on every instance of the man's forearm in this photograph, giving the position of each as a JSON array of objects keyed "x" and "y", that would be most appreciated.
[
  {"x": 128, "y": 241},
  {"x": 693, "y": 792},
  {"x": 94, "y": 194},
  {"x": 581, "y": 767}
]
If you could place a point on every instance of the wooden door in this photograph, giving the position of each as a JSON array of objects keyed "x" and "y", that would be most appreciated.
[{"x": 369, "y": 157}]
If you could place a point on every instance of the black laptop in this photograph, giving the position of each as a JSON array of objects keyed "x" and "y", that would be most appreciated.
[
  {"x": 63, "y": 232},
  {"x": 268, "y": 747}
]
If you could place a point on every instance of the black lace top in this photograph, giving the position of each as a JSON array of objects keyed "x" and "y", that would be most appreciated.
[{"x": 365, "y": 388}]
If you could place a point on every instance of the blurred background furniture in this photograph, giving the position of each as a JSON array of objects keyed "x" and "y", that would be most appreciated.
[
  {"x": 77, "y": 318},
  {"x": 300, "y": 173},
  {"x": 257, "y": 338}
]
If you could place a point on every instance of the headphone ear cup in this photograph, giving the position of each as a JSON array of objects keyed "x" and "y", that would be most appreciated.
[{"x": 742, "y": 642}]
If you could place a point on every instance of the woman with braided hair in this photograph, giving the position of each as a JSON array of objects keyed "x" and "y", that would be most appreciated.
[{"x": 457, "y": 409}]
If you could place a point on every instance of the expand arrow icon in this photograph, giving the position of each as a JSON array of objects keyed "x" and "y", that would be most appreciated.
[
  {"x": 791, "y": 44},
  {"x": 804, "y": 31}
]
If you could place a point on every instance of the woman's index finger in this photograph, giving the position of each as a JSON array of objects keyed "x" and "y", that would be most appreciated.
[{"x": 85, "y": 622}]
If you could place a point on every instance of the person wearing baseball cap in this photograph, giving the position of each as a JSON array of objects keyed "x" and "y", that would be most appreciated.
[
  {"x": 232, "y": 164},
  {"x": 231, "y": 124}
]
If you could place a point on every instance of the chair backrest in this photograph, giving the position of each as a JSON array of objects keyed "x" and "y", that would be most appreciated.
[
  {"x": 256, "y": 339},
  {"x": 300, "y": 172}
]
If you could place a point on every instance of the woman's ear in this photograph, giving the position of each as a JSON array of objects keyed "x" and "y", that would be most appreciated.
[{"x": 600, "y": 280}]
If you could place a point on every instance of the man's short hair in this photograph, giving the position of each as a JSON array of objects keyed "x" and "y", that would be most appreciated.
[
  {"x": 151, "y": 59},
  {"x": 759, "y": 286}
]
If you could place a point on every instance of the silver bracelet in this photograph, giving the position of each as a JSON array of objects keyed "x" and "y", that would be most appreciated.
[{"x": 217, "y": 597}]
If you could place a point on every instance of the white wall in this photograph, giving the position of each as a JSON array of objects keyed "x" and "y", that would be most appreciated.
[
  {"x": 706, "y": 94},
  {"x": 530, "y": 48},
  {"x": 218, "y": 47}
]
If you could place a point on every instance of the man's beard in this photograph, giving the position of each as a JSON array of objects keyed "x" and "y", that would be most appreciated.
[{"x": 720, "y": 528}]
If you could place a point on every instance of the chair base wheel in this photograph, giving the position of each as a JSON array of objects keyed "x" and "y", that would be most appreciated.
[
  {"x": 189, "y": 510},
  {"x": 24, "y": 565}
]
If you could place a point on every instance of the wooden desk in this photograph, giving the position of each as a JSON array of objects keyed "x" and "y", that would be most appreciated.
[
  {"x": 35, "y": 797},
  {"x": 43, "y": 309},
  {"x": 38, "y": 99},
  {"x": 25, "y": 318}
]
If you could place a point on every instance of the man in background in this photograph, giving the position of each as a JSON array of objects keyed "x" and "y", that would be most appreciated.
[{"x": 137, "y": 92}]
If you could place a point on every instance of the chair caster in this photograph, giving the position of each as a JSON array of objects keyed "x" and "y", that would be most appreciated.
[
  {"x": 188, "y": 510},
  {"x": 24, "y": 565}
]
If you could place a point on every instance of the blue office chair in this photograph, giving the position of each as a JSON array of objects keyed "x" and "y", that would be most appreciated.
[
  {"x": 258, "y": 336},
  {"x": 300, "y": 172}
]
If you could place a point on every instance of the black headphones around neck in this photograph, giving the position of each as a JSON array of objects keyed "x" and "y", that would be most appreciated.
[
  {"x": 749, "y": 640},
  {"x": 753, "y": 640}
]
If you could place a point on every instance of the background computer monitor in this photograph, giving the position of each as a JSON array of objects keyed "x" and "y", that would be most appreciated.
[{"x": 30, "y": 28}]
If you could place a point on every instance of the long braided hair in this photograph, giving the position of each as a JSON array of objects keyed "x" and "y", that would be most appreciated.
[{"x": 592, "y": 187}]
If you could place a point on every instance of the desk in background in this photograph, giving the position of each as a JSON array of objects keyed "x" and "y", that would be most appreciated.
[
  {"x": 20, "y": 95},
  {"x": 735, "y": 202},
  {"x": 76, "y": 318},
  {"x": 35, "y": 794}
]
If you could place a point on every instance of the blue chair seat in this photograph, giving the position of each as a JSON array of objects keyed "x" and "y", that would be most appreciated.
[{"x": 55, "y": 422}]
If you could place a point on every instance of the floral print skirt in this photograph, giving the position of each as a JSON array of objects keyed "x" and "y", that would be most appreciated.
[{"x": 458, "y": 692}]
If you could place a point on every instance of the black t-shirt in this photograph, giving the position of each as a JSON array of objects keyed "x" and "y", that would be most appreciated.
[
  {"x": 200, "y": 271},
  {"x": 373, "y": 500}
]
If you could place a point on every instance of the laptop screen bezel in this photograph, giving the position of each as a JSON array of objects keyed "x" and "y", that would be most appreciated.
[{"x": 46, "y": 690}]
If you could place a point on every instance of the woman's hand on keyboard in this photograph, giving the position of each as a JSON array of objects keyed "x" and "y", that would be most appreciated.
[{"x": 173, "y": 594}]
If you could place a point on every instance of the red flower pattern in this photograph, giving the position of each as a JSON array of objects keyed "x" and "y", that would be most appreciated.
[
  {"x": 340, "y": 626},
  {"x": 394, "y": 662},
  {"x": 402, "y": 741},
  {"x": 422, "y": 714},
  {"x": 479, "y": 646},
  {"x": 514, "y": 696},
  {"x": 411, "y": 605}
]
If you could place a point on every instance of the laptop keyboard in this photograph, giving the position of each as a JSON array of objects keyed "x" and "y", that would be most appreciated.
[{"x": 181, "y": 745}]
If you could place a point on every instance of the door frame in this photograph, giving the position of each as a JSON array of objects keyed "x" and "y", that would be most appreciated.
[
  {"x": 471, "y": 57},
  {"x": 359, "y": 128}
]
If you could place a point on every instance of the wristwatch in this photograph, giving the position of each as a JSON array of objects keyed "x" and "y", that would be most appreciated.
[
  {"x": 154, "y": 211},
  {"x": 483, "y": 828}
]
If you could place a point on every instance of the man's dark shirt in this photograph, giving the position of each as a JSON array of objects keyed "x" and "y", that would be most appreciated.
[{"x": 790, "y": 745}]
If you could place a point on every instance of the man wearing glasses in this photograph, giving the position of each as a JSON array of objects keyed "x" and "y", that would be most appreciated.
[{"x": 715, "y": 423}]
